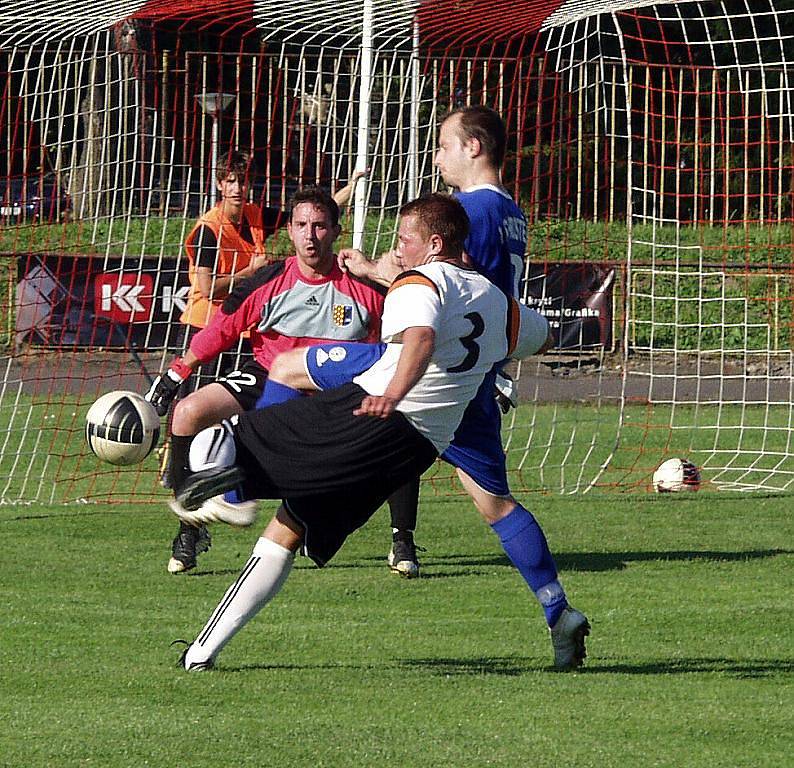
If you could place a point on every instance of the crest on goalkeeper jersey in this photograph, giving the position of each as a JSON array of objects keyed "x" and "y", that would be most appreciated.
[{"x": 342, "y": 314}]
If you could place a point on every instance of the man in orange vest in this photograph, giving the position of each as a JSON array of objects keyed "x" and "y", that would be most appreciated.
[{"x": 226, "y": 245}]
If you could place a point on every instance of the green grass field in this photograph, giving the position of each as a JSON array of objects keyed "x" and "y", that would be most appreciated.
[{"x": 691, "y": 661}]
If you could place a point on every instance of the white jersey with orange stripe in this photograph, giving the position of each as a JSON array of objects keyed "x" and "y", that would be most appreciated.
[{"x": 475, "y": 326}]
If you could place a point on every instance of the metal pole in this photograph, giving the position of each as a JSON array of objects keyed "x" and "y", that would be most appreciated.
[
  {"x": 163, "y": 165},
  {"x": 413, "y": 117},
  {"x": 214, "y": 160},
  {"x": 359, "y": 208}
]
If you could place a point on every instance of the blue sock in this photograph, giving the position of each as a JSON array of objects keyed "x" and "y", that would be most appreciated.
[
  {"x": 524, "y": 543},
  {"x": 275, "y": 393}
]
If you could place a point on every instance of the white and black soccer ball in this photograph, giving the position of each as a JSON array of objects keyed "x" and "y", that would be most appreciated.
[
  {"x": 676, "y": 475},
  {"x": 122, "y": 428}
]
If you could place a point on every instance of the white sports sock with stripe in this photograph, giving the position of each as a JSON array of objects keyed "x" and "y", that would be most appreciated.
[{"x": 258, "y": 583}]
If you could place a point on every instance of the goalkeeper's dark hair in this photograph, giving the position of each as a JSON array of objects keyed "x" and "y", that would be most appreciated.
[
  {"x": 442, "y": 215},
  {"x": 233, "y": 162},
  {"x": 318, "y": 197},
  {"x": 486, "y": 125}
]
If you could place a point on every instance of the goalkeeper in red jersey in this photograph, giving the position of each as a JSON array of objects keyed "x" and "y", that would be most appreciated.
[{"x": 299, "y": 301}]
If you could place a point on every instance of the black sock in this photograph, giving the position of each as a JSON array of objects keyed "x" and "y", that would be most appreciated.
[
  {"x": 180, "y": 448},
  {"x": 403, "y": 504}
]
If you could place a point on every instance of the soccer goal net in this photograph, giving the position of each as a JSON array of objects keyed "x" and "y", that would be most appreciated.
[{"x": 651, "y": 148}]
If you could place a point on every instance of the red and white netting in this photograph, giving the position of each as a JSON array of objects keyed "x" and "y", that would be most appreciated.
[{"x": 650, "y": 147}]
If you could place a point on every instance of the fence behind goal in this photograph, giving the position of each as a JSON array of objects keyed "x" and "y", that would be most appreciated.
[{"x": 651, "y": 151}]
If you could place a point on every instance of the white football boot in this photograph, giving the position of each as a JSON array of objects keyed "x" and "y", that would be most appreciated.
[{"x": 217, "y": 510}]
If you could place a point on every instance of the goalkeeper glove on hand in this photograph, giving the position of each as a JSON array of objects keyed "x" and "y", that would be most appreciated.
[
  {"x": 165, "y": 386},
  {"x": 505, "y": 392}
]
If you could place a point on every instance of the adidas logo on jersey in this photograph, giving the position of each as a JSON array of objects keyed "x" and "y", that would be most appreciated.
[{"x": 312, "y": 302}]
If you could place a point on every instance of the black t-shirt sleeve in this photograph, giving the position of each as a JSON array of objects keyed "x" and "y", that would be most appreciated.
[{"x": 206, "y": 248}]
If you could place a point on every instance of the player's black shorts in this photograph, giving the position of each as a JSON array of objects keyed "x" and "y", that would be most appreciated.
[
  {"x": 245, "y": 384},
  {"x": 332, "y": 469}
]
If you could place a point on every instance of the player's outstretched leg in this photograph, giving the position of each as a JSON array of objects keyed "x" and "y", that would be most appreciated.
[
  {"x": 525, "y": 544},
  {"x": 258, "y": 583}
]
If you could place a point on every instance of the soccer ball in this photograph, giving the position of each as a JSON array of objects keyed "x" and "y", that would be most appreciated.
[
  {"x": 122, "y": 428},
  {"x": 676, "y": 475}
]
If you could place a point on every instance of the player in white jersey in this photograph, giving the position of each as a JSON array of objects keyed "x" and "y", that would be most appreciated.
[
  {"x": 335, "y": 457},
  {"x": 472, "y": 143}
]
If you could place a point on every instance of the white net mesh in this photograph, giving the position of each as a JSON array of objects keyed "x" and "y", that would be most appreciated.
[{"x": 650, "y": 147}]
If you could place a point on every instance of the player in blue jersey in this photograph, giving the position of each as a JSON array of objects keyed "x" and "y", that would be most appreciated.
[
  {"x": 471, "y": 149},
  {"x": 470, "y": 154}
]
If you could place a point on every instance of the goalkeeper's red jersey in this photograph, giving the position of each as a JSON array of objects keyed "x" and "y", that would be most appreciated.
[{"x": 282, "y": 310}]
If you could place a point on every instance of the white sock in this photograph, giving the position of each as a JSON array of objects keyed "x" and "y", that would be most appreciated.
[{"x": 258, "y": 583}]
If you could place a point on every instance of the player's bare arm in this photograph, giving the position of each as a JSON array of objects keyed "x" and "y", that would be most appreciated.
[{"x": 418, "y": 346}]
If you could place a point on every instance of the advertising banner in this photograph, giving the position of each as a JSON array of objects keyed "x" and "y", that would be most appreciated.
[
  {"x": 577, "y": 300},
  {"x": 93, "y": 302}
]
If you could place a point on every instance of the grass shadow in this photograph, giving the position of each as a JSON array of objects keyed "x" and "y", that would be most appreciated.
[
  {"x": 514, "y": 666},
  {"x": 466, "y": 566},
  {"x": 446, "y": 667},
  {"x": 739, "y": 668},
  {"x": 594, "y": 561},
  {"x": 617, "y": 561}
]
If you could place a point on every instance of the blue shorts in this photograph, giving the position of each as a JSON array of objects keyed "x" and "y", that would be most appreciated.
[
  {"x": 331, "y": 365},
  {"x": 477, "y": 445}
]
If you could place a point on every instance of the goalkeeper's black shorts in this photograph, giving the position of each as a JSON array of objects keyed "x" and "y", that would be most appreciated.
[
  {"x": 245, "y": 384},
  {"x": 332, "y": 469}
]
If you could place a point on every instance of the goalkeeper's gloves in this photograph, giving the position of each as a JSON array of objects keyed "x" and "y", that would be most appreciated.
[
  {"x": 166, "y": 385},
  {"x": 505, "y": 392}
]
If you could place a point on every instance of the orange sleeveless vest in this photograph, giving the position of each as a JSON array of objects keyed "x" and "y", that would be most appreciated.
[{"x": 234, "y": 254}]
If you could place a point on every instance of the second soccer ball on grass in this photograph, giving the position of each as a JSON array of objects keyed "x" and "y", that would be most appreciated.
[{"x": 676, "y": 475}]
